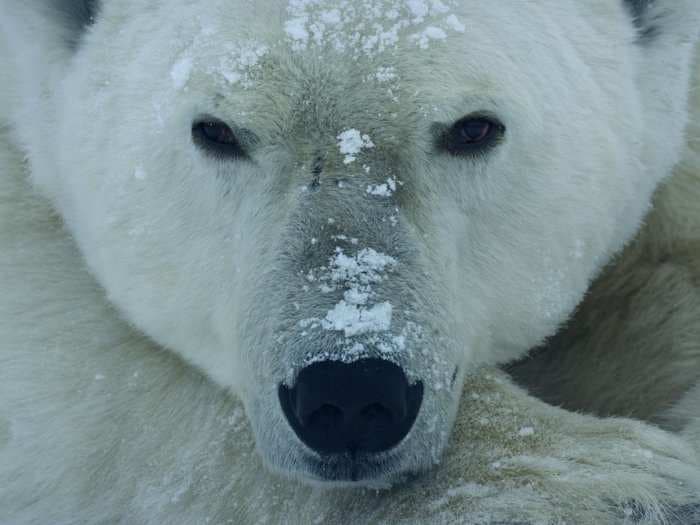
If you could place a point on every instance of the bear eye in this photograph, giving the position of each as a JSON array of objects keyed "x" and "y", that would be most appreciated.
[
  {"x": 217, "y": 138},
  {"x": 472, "y": 135}
]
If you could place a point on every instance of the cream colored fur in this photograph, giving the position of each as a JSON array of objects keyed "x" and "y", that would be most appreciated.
[
  {"x": 181, "y": 450},
  {"x": 646, "y": 305},
  {"x": 99, "y": 424}
]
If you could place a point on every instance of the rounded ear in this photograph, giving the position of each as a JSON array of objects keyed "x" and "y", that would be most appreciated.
[
  {"x": 71, "y": 17},
  {"x": 667, "y": 37},
  {"x": 660, "y": 19},
  {"x": 38, "y": 38}
]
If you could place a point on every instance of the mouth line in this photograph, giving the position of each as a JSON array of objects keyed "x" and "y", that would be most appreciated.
[{"x": 351, "y": 468}]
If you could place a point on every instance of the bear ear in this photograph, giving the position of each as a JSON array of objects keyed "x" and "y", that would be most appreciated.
[
  {"x": 667, "y": 37},
  {"x": 73, "y": 17},
  {"x": 655, "y": 19}
]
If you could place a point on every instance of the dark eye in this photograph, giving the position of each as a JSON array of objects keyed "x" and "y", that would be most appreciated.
[
  {"x": 217, "y": 138},
  {"x": 472, "y": 135}
]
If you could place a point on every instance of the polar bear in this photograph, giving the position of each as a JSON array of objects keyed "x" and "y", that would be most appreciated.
[{"x": 348, "y": 262}]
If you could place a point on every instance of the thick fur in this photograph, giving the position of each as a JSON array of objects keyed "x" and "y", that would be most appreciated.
[{"x": 101, "y": 421}]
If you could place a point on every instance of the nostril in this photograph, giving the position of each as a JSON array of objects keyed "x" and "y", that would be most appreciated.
[
  {"x": 326, "y": 418},
  {"x": 376, "y": 413}
]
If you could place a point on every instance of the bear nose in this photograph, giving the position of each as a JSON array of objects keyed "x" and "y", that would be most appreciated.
[{"x": 364, "y": 406}]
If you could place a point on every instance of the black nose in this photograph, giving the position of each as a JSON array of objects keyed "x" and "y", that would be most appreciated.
[{"x": 365, "y": 406}]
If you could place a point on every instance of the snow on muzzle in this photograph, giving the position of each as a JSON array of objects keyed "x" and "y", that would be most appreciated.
[{"x": 356, "y": 399}]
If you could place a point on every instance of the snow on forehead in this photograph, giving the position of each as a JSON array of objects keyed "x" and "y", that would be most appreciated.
[
  {"x": 356, "y": 28},
  {"x": 369, "y": 27},
  {"x": 210, "y": 50}
]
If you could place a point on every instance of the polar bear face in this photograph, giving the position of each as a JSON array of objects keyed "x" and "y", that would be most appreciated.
[{"x": 339, "y": 211}]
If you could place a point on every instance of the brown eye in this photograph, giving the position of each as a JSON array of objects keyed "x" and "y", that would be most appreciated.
[
  {"x": 475, "y": 131},
  {"x": 217, "y": 138},
  {"x": 472, "y": 135}
]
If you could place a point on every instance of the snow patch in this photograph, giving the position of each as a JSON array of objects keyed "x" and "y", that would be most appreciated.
[
  {"x": 526, "y": 431},
  {"x": 354, "y": 315},
  {"x": 424, "y": 37},
  {"x": 454, "y": 23},
  {"x": 352, "y": 319},
  {"x": 383, "y": 190},
  {"x": 386, "y": 74},
  {"x": 364, "y": 28},
  {"x": 181, "y": 71},
  {"x": 351, "y": 142}
]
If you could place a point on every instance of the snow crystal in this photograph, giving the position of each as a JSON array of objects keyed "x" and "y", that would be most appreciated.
[
  {"x": 455, "y": 24},
  {"x": 429, "y": 33},
  {"x": 364, "y": 267},
  {"x": 181, "y": 71},
  {"x": 351, "y": 142},
  {"x": 383, "y": 190},
  {"x": 239, "y": 60},
  {"x": 418, "y": 8},
  {"x": 386, "y": 74},
  {"x": 296, "y": 28},
  {"x": 353, "y": 319},
  {"x": 526, "y": 431}
]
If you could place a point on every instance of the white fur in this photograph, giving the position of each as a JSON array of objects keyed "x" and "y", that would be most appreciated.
[{"x": 132, "y": 325}]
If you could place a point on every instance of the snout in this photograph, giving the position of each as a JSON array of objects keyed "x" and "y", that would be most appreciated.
[{"x": 366, "y": 406}]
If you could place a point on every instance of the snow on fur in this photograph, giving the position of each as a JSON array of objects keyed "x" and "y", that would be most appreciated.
[{"x": 146, "y": 282}]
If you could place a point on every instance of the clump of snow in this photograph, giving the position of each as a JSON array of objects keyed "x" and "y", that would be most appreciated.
[
  {"x": 353, "y": 319},
  {"x": 424, "y": 37},
  {"x": 453, "y": 22},
  {"x": 526, "y": 431},
  {"x": 351, "y": 142},
  {"x": 181, "y": 71},
  {"x": 386, "y": 74},
  {"x": 364, "y": 268},
  {"x": 397, "y": 342},
  {"x": 383, "y": 190},
  {"x": 139, "y": 173},
  {"x": 356, "y": 274},
  {"x": 341, "y": 237}
]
